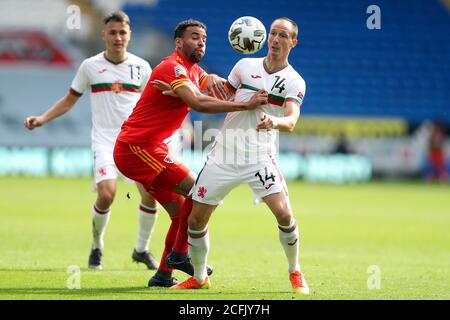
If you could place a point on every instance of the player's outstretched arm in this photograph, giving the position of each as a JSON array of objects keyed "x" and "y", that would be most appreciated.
[
  {"x": 164, "y": 87},
  {"x": 59, "y": 108},
  {"x": 225, "y": 93},
  {"x": 284, "y": 124},
  {"x": 202, "y": 103},
  {"x": 216, "y": 87}
]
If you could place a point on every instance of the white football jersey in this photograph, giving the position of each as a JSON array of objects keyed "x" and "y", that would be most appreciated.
[
  {"x": 239, "y": 138},
  {"x": 115, "y": 90}
]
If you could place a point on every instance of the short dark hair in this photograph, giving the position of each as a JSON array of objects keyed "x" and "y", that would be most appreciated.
[
  {"x": 117, "y": 16},
  {"x": 294, "y": 33},
  {"x": 183, "y": 25}
]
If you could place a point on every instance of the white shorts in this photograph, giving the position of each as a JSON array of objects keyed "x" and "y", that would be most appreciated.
[
  {"x": 216, "y": 180},
  {"x": 104, "y": 166}
]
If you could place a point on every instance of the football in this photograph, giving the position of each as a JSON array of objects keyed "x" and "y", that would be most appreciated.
[{"x": 247, "y": 35}]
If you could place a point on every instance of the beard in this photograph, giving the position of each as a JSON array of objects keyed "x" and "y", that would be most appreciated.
[{"x": 195, "y": 56}]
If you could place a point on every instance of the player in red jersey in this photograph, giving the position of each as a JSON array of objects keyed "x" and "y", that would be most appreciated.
[{"x": 141, "y": 152}]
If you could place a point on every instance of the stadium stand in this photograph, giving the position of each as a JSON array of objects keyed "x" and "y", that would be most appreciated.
[
  {"x": 28, "y": 14},
  {"x": 373, "y": 87},
  {"x": 402, "y": 70}
]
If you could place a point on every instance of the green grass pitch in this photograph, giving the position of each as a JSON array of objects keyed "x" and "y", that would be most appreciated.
[{"x": 401, "y": 228}]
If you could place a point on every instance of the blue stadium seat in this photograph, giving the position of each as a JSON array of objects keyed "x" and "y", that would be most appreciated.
[{"x": 402, "y": 70}]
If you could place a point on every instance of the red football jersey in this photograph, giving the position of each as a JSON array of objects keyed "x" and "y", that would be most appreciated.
[{"x": 156, "y": 117}]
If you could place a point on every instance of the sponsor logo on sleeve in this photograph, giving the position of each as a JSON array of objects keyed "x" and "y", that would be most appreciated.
[{"x": 179, "y": 70}]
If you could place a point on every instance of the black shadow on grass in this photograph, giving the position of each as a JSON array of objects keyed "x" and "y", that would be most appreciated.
[
  {"x": 96, "y": 292},
  {"x": 81, "y": 269},
  {"x": 32, "y": 270}
]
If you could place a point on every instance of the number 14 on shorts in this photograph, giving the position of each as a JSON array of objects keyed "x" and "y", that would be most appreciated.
[{"x": 267, "y": 178}]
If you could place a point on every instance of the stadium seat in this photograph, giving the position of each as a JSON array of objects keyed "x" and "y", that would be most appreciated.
[{"x": 401, "y": 70}]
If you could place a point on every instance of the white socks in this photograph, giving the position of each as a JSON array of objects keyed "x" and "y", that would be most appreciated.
[
  {"x": 289, "y": 238},
  {"x": 100, "y": 220},
  {"x": 198, "y": 250},
  {"x": 146, "y": 220}
]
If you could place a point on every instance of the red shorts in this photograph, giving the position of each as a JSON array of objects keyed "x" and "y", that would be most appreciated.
[{"x": 153, "y": 167}]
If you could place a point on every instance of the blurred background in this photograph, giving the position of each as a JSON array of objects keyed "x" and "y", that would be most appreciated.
[{"x": 377, "y": 104}]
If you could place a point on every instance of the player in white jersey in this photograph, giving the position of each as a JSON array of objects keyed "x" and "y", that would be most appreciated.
[
  {"x": 244, "y": 152},
  {"x": 115, "y": 78}
]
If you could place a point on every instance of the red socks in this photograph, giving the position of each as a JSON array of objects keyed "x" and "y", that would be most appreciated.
[
  {"x": 170, "y": 240},
  {"x": 181, "y": 245}
]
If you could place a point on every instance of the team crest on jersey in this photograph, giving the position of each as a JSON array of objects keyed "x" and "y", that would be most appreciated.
[
  {"x": 179, "y": 70},
  {"x": 116, "y": 87}
]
